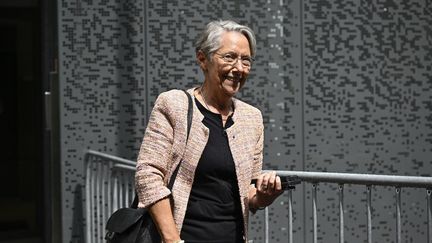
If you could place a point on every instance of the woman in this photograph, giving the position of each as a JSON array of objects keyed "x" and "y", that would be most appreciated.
[{"x": 212, "y": 193}]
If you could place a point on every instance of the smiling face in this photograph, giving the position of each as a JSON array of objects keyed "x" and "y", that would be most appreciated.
[{"x": 223, "y": 78}]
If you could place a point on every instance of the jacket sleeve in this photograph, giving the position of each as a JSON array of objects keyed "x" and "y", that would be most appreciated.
[
  {"x": 258, "y": 152},
  {"x": 154, "y": 158}
]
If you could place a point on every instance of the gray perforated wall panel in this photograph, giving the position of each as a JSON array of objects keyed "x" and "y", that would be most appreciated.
[{"x": 344, "y": 86}]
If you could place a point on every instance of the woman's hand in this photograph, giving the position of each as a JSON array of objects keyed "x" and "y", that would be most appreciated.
[{"x": 268, "y": 187}]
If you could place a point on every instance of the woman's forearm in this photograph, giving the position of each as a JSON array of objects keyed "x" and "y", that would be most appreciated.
[{"x": 163, "y": 218}]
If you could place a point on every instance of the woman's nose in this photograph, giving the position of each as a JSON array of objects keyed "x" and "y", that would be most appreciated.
[{"x": 238, "y": 65}]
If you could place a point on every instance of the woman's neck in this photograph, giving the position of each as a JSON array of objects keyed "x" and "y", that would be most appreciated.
[{"x": 215, "y": 103}]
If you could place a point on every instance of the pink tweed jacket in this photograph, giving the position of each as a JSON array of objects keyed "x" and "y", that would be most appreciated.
[{"x": 164, "y": 146}]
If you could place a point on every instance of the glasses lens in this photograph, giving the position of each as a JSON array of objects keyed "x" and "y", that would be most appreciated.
[
  {"x": 229, "y": 58},
  {"x": 233, "y": 59},
  {"x": 246, "y": 62}
]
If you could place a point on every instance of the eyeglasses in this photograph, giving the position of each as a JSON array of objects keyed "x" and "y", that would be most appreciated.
[{"x": 232, "y": 58}]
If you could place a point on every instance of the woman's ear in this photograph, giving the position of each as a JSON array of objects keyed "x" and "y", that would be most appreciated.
[{"x": 202, "y": 60}]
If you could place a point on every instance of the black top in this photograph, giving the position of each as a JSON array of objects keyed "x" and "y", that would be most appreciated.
[{"x": 214, "y": 213}]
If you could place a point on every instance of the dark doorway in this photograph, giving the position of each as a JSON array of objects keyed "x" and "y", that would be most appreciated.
[
  {"x": 8, "y": 111},
  {"x": 23, "y": 214}
]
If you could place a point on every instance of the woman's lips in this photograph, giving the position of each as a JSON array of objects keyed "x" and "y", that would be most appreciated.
[{"x": 232, "y": 78}]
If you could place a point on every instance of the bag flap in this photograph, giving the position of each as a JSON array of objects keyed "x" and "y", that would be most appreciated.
[{"x": 123, "y": 218}]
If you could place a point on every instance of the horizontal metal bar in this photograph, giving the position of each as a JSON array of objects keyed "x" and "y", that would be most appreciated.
[
  {"x": 111, "y": 157},
  {"x": 362, "y": 179},
  {"x": 314, "y": 177},
  {"x": 124, "y": 167}
]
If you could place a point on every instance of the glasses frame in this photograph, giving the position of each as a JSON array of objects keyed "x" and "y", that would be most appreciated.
[{"x": 236, "y": 57}]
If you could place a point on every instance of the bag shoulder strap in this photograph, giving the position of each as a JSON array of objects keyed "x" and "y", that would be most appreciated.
[
  {"x": 190, "y": 113},
  {"x": 174, "y": 174}
]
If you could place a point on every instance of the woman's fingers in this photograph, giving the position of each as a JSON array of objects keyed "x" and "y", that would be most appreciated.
[
  {"x": 278, "y": 183},
  {"x": 265, "y": 182},
  {"x": 268, "y": 188},
  {"x": 272, "y": 181},
  {"x": 258, "y": 184},
  {"x": 268, "y": 183}
]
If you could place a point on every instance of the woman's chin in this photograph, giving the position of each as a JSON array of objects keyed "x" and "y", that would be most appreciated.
[{"x": 231, "y": 90}]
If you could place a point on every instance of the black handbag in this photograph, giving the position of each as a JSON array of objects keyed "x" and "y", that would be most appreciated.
[{"x": 135, "y": 225}]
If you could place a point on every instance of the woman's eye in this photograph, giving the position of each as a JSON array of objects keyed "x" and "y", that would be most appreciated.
[{"x": 229, "y": 56}]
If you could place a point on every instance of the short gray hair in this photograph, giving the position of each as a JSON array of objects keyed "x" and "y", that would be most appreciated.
[{"x": 209, "y": 39}]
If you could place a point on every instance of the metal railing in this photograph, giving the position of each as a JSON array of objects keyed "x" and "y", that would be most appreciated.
[
  {"x": 110, "y": 185},
  {"x": 368, "y": 180}
]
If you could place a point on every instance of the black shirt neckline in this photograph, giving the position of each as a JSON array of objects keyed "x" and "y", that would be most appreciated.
[{"x": 229, "y": 122}]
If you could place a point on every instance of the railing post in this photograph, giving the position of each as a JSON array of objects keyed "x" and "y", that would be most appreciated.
[
  {"x": 429, "y": 214},
  {"x": 115, "y": 198},
  {"x": 109, "y": 191},
  {"x": 341, "y": 214},
  {"x": 126, "y": 189},
  {"x": 398, "y": 215},
  {"x": 369, "y": 213},
  {"x": 105, "y": 197},
  {"x": 266, "y": 224},
  {"x": 121, "y": 188},
  {"x": 92, "y": 203},
  {"x": 88, "y": 199},
  {"x": 98, "y": 201},
  {"x": 314, "y": 213},
  {"x": 290, "y": 217}
]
